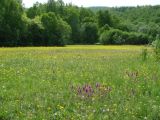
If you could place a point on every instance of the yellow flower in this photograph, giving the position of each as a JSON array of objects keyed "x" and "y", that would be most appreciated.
[{"x": 60, "y": 107}]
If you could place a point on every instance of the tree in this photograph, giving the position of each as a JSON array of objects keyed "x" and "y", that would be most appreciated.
[
  {"x": 57, "y": 31},
  {"x": 85, "y": 13},
  {"x": 36, "y": 10},
  {"x": 49, "y": 21},
  {"x": 51, "y": 6},
  {"x": 65, "y": 31},
  {"x": 57, "y": 23},
  {"x": 60, "y": 7},
  {"x": 89, "y": 33},
  {"x": 36, "y": 27},
  {"x": 72, "y": 18},
  {"x": 103, "y": 18},
  {"x": 10, "y": 22}
]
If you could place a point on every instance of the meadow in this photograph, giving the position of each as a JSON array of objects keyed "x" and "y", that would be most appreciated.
[{"x": 79, "y": 82}]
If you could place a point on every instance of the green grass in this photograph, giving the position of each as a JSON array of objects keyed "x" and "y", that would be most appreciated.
[{"x": 35, "y": 83}]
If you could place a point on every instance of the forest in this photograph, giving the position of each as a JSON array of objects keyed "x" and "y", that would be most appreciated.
[{"x": 58, "y": 24}]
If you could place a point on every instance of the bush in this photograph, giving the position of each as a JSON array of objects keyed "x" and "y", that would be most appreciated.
[
  {"x": 115, "y": 36},
  {"x": 137, "y": 39},
  {"x": 105, "y": 37}
]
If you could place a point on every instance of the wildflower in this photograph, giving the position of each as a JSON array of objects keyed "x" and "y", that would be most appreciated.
[
  {"x": 61, "y": 107},
  {"x": 103, "y": 110},
  {"x": 86, "y": 90},
  {"x": 55, "y": 114}
]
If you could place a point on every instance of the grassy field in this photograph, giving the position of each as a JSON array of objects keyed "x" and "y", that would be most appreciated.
[{"x": 78, "y": 82}]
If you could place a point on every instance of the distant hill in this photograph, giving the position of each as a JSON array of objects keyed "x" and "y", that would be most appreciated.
[{"x": 134, "y": 14}]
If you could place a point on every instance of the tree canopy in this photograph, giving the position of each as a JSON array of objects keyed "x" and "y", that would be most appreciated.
[{"x": 56, "y": 24}]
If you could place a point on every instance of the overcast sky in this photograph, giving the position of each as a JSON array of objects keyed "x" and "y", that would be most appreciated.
[{"x": 109, "y": 3}]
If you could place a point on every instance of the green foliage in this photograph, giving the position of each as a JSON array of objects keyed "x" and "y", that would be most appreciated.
[
  {"x": 69, "y": 24},
  {"x": 10, "y": 20},
  {"x": 115, "y": 36},
  {"x": 86, "y": 15},
  {"x": 51, "y": 6},
  {"x": 64, "y": 30},
  {"x": 57, "y": 31},
  {"x": 103, "y": 18},
  {"x": 36, "y": 10},
  {"x": 89, "y": 33},
  {"x": 105, "y": 37},
  {"x": 49, "y": 21},
  {"x": 36, "y": 27},
  {"x": 141, "y": 18},
  {"x": 102, "y": 29},
  {"x": 72, "y": 18},
  {"x": 57, "y": 7}
]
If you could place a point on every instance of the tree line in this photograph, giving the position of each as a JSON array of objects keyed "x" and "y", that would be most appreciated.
[{"x": 57, "y": 24}]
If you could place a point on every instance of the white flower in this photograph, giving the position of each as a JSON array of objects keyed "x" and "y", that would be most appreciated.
[
  {"x": 55, "y": 114},
  {"x": 103, "y": 110},
  {"x": 145, "y": 118},
  {"x": 94, "y": 111}
]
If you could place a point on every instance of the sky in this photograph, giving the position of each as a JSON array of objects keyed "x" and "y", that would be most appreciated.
[{"x": 108, "y": 3}]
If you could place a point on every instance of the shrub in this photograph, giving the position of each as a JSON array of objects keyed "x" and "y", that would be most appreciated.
[
  {"x": 115, "y": 36},
  {"x": 105, "y": 37},
  {"x": 137, "y": 39}
]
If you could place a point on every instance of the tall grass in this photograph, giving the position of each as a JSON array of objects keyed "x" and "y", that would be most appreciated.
[{"x": 45, "y": 83}]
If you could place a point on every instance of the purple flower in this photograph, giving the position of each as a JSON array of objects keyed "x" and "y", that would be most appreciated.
[{"x": 86, "y": 90}]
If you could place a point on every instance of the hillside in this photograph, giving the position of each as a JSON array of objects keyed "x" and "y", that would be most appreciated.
[{"x": 144, "y": 19}]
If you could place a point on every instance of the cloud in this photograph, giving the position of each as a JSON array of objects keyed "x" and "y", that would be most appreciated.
[
  {"x": 111, "y": 3},
  {"x": 29, "y": 3}
]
